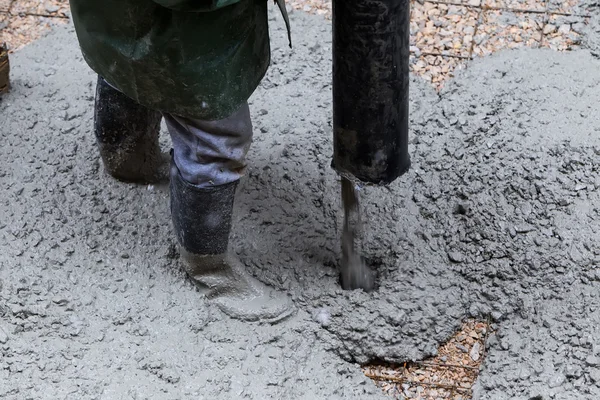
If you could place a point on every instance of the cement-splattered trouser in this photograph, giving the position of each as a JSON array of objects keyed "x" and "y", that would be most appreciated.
[{"x": 210, "y": 153}]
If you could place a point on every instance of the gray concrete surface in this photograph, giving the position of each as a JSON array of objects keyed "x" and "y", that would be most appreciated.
[{"x": 499, "y": 216}]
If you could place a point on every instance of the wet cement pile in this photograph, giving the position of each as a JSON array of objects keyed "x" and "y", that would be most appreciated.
[
  {"x": 495, "y": 218},
  {"x": 524, "y": 192}
]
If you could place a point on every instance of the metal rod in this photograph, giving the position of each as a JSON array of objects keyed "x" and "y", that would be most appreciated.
[
  {"x": 395, "y": 379},
  {"x": 431, "y": 364}
]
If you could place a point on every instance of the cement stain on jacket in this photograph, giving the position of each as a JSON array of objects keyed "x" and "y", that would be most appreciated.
[{"x": 176, "y": 55}]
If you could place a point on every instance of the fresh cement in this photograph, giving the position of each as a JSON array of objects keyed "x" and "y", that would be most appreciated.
[{"x": 498, "y": 217}]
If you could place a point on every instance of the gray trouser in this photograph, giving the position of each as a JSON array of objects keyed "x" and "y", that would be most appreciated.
[{"x": 211, "y": 153}]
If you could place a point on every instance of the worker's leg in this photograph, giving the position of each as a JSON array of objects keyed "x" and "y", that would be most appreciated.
[
  {"x": 127, "y": 136},
  {"x": 208, "y": 161}
]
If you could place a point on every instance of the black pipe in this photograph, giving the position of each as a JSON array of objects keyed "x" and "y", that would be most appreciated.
[{"x": 370, "y": 89}]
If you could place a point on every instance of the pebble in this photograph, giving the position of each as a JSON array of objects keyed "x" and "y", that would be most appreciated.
[
  {"x": 572, "y": 371},
  {"x": 556, "y": 380},
  {"x": 455, "y": 257},
  {"x": 474, "y": 354},
  {"x": 595, "y": 375},
  {"x": 564, "y": 29},
  {"x": 51, "y": 8},
  {"x": 548, "y": 29},
  {"x": 524, "y": 373},
  {"x": 539, "y": 369},
  {"x": 592, "y": 361},
  {"x": 524, "y": 228},
  {"x": 462, "y": 348},
  {"x": 323, "y": 317},
  {"x": 3, "y": 336},
  {"x": 579, "y": 27}
]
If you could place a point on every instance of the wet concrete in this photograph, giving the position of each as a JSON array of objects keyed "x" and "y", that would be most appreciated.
[{"x": 496, "y": 218}]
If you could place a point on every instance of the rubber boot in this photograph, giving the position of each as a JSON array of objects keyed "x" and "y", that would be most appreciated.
[
  {"x": 127, "y": 136},
  {"x": 4, "y": 69},
  {"x": 202, "y": 222}
]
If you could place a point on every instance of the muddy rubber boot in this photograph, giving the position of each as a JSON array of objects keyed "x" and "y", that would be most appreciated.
[
  {"x": 127, "y": 136},
  {"x": 202, "y": 222}
]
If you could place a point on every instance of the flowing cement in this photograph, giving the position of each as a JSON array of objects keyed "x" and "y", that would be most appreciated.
[{"x": 498, "y": 217}]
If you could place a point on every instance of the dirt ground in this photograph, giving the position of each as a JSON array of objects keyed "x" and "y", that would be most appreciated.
[
  {"x": 494, "y": 222},
  {"x": 22, "y": 21}
]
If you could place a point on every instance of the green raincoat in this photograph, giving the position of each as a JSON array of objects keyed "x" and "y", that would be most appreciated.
[{"x": 194, "y": 58}]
